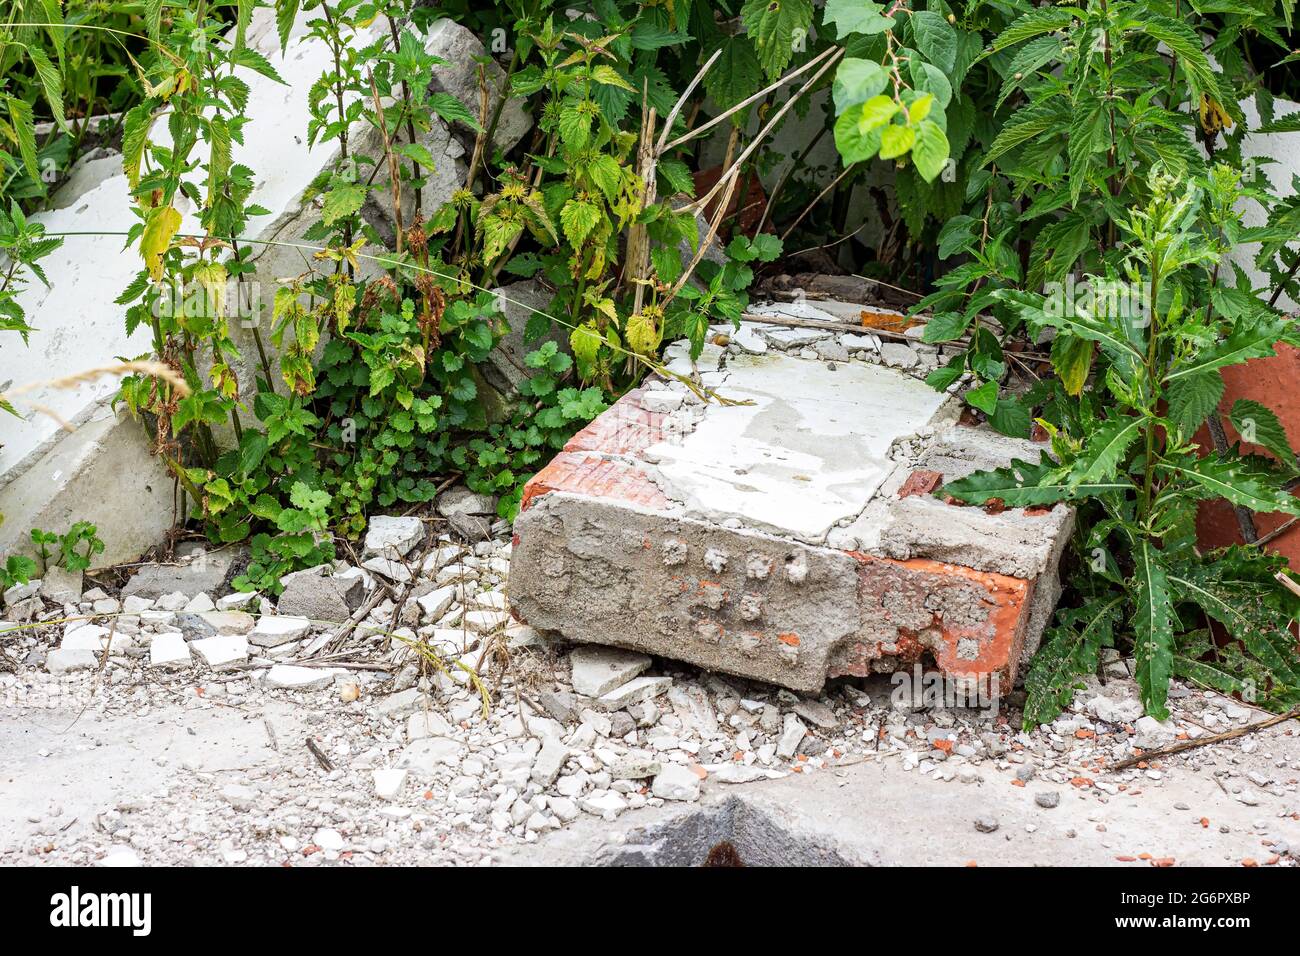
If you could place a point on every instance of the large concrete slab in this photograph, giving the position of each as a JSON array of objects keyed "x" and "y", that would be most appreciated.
[{"x": 791, "y": 538}]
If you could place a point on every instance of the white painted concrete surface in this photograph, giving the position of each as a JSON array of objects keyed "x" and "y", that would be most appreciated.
[{"x": 810, "y": 451}]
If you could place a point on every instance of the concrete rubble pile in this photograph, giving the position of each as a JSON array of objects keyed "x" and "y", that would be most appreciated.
[
  {"x": 192, "y": 703},
  {"x": 788, "y": 534}
]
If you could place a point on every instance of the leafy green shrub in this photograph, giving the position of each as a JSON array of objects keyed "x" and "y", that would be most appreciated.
[{"x": 1127, "y": 451}]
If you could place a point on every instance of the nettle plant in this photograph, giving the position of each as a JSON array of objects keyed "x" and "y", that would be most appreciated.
[
  {"x": 1128, "y": 453},
  {"x": 32, "y": 52},
  {"x": 1084, "y": 101}
]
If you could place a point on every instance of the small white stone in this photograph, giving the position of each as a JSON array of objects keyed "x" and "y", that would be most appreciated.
[
  {"x": 291, "y": 677},
  {"x": 675, "y": 782},
  {"x": 169, "y": 650},
  {"x": 598, "y": 670},
  {"x": 274, "y": 630},
  {"x": 225, "y": 650},
  {"x": 391, "y": 536},
  {"x": 389, "y": 782}
]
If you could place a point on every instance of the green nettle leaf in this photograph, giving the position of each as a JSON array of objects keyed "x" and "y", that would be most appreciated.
[
  {"x": 585, "y": 342},
  {"x": 1191, "y": 399},
  {"x": 135, "y": 136},
  {"x": 1186, "y": 46},
  {"x": 1238, "y": 482},
  {"x": 1036, "y": 23},
  {"x": 1023, "y": 485},
  {"x": 1029, "y": 123},
  {"x": 1241, "y": 345},
  {"x": 736, "y": 75},
  {"x": 1071, "y": 650},
  {"x": 578, "y": 219},
  {"x": 1103, "y": 452},
  {"x": 574, "y": 127},
  {"x": 342, "y": 201},
  {"x": 930, "y": 151},
  {"x": 23, "y": 127},
  {"x": 453, "y": 110},
  {"x": 856, "y": 16},
  {"x": 935, "y": 38},
  {"x": 1258, "y": 425},
  {"x": 1153, "y": 618},
  {"x": 51, "y": 84},
  {"x": 1244, "y": 609},
  {"x": 608, "y": 175},
  {"x": 775, "y": 26},
  {"x": 286, "y": 11}
]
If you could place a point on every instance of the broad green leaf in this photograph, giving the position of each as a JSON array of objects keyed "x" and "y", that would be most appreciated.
[
  {"x": 775, "y": 26},
  {"x": 1263, "y": 629},
  {"x": 1258, "y": 425},
  {"x": 286, "y": 11},
  {"x": 896, "y": 140},
  {"x": 1072, "y": 360},
  {"x": 856, "y": 16},
  {"x": 453, "y": 110},
  {"x": 935, "y": 38},
  {"x": 1192, "y": 399},
  {"x": 857, "y": 81},
  {"x": 853, "y": 145},
  {"x": 1153, "y": 626},
  {"x": 1103, "y": 453},
  {"x": 930, "y": 151},
  {"x": 1023, "y": 485},
  {"x": 160, "y": 227},
  {"x": 342, "y": 201},
  {"x": 579, "y": 218}
]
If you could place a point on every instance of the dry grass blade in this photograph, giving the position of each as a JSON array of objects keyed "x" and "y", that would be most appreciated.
[{"x": 154, "y": 369}]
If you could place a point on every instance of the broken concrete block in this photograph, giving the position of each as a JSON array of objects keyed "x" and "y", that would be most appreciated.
[
  {"x": 598, "y": 670},
  {"x": 392, "y": 536},
  {"x": 272, "y": 630},
  {"x": 61, "y": 585},
  {"x": 290, "y": 677},
  {"x": 389, "y": 782},
  {"x": 388, "y": 568},
  {"x": 769, "y": 540},
  {"x": 65, "y": 660},
  {"x": 461, "y": 501},
  {"x": 675, "y": 782},
  {"x": 198, "y": 572},
  {"x": 169, "y": 650},
  {"x": 226, "y": 650},
  {"x": 550, "y": 760},
  {"x": 94, "y": 638},
  {"x": 634, "y": 692},
  {"x": 436, "y": 603},
  {"x": 320, "y": 597}
]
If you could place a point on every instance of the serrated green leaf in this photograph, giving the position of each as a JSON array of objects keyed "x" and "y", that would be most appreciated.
[
  {"x": 1153, "y": 626},
  {"x": 1258, "y": 425}
]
